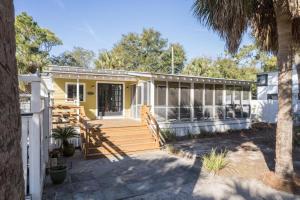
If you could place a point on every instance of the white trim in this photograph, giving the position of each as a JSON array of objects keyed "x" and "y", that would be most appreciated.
[
  {"x": 74, "y": 83},
  {"x": 123, "y": 111}
]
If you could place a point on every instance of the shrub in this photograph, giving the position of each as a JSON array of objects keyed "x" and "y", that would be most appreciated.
[
  {"x": 168, "y": 135},
  {"x": 214, "y": 161}
]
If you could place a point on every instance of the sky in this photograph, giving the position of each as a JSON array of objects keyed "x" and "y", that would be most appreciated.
[{"x": 99, "y": 24}]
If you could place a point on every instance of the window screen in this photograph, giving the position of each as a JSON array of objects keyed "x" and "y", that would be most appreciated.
[
  {"x": 173, "y": 94},
  {"x": 219, "y": 95},
  {"x": 72, "y": 92},
  {"x": 160, "y": 93},
  {"x": 209, "y": 89},
  {"x": 246, "y": 93},
  {"x": 145, "y": 94},
  {"x": 198, "y": 94},
  {"x": 185, "y": 94},
  {"x": 238, "y": 95},
  {"x": 229, "y": 94}
]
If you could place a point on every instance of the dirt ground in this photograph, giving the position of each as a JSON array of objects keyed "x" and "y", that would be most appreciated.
[{"x": 251, "y": 153}]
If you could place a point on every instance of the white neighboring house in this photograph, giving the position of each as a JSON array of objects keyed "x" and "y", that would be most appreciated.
[{"x": 266, "y": 107}]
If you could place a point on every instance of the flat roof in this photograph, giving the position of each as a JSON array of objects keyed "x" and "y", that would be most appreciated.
[{"x": 80, "y": 72}]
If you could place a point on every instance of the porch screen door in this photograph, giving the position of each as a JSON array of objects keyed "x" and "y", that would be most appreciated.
[{"x": 110, "y": 99}]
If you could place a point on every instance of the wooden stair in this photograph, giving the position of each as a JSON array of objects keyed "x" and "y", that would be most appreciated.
[{"x": 119, "y": 142}]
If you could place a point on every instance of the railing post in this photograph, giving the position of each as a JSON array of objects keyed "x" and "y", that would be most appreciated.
[{"x": 35, "y": 179}]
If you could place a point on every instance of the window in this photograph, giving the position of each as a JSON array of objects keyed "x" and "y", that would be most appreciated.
[
  {"x": 229, "y": 94},
  {"x": 272, "y": 96},
  {"x": 262, "y": 80},
  {"x": 71, "y": 92}
]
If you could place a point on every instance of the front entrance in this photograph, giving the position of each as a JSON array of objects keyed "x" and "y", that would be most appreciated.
[{"x": 110, "y": 99}]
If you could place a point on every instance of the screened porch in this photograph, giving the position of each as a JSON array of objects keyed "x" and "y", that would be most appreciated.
[{"x": 192, "y": 102}]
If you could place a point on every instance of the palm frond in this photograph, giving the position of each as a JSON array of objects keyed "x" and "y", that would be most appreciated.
[
  {"x": 229, "y": 18},
  {"x": 64, "y": 133}
]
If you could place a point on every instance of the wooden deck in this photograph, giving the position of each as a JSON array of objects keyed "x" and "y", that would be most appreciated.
[
  {"x": 117, "y": 138},
  {"x": 114, "y": 123}
]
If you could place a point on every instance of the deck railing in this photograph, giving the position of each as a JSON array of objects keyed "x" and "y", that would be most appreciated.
[{"x": 153, "y": 126}]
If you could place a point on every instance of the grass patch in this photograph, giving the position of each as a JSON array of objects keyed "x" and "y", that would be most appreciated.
[{"x": 214, "y": 161}]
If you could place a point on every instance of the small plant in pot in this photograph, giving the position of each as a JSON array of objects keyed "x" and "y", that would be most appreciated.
[
  {"x": 57, "y": 169},
  {"x": 63, "y": 134}
]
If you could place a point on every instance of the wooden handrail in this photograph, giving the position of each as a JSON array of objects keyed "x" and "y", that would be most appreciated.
[{"x": 154, "y": 128}]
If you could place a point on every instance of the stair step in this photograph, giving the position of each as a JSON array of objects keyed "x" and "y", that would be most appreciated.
[
  {"x": 109, "y": 155},
  {"x": 124, "y": 129},
  {"x": 119, "y": 149},
  {"x": 120, "y": 141}
]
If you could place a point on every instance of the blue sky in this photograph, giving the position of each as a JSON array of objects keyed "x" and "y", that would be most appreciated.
[{"x": 98, "y": 24}]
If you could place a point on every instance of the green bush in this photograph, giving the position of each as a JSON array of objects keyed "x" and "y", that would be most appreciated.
[
  {"x": 214, "y": 161},
  {"x": 168, "y": 135}
]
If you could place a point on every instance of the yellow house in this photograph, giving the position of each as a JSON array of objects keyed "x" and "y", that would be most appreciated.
[{"x": 183, "y": 103}]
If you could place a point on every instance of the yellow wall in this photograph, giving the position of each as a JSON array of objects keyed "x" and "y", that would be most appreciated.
[{"x": 89, "y": 104}]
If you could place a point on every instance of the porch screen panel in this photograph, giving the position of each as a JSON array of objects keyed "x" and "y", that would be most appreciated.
[
  {"x": 138, "y": 101},
  {"x": 246, "y": 101},
  {"x": 133, "y": 101},
  {"x": 198, "y": 101},
  {"x": 238, "y": 101},
  {"x": 146, "y": 93},
  {"x": 219, "y": 108},
  {"x": 185, "y": 101},
  {"x": 229, "y": 111},
  {"x": 173, "y": 101},
  {"x": 208, "y": 108},
  {"x": 160, "y": 100}
]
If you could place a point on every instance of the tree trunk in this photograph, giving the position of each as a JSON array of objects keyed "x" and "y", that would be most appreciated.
[
  {"x": 11, "y": 172},
  {"x": 297, "y": 63},
  {"x": 284, "y": 132}
]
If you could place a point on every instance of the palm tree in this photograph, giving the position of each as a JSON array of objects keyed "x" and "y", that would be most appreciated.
[
  {"x": 11, "y": 172},
  {"x": 276, "y": 28}
]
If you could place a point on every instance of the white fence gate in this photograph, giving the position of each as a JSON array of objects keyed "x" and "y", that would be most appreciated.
[{"x": 36, "y": 127}]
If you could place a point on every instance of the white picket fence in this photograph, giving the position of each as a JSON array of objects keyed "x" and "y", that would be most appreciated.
[{"x": 36, "y": 128}]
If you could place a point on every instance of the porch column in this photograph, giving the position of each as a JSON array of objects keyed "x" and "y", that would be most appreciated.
[
  {"x": 152, "y": 91},
  {"x": 77, "y": 98},
  {"x": 224, "y": 100},
  {"x": 167, "y": 100},
  {"x": 192, "y": 101}
]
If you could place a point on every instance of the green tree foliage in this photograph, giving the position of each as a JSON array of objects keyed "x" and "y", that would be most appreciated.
[
  {"x": 147, "y": 51},
  {"x": 33, "y": 44},
  {"x": 245, "y": 64},
  {"x": 78, "y": 57}
]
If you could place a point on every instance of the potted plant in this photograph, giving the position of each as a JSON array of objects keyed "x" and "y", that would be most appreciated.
[
  {"x": 63, "y": 134},
  {"x": 58, "y": 173},
  {"x": 57, "y": 169}
]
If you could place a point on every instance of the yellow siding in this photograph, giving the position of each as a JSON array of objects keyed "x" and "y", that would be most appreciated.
[{"x": 89, "y": 104}]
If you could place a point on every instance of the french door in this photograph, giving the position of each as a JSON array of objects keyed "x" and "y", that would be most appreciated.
[{"x": 110, "y": 99}]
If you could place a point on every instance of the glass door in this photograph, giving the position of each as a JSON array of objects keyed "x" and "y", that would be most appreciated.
[{"x": 110, "y": 99}]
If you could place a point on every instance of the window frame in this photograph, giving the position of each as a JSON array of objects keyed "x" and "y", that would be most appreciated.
[
  {"x": 74, "y": 83},
  {"x": 266, "y": 78}
]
